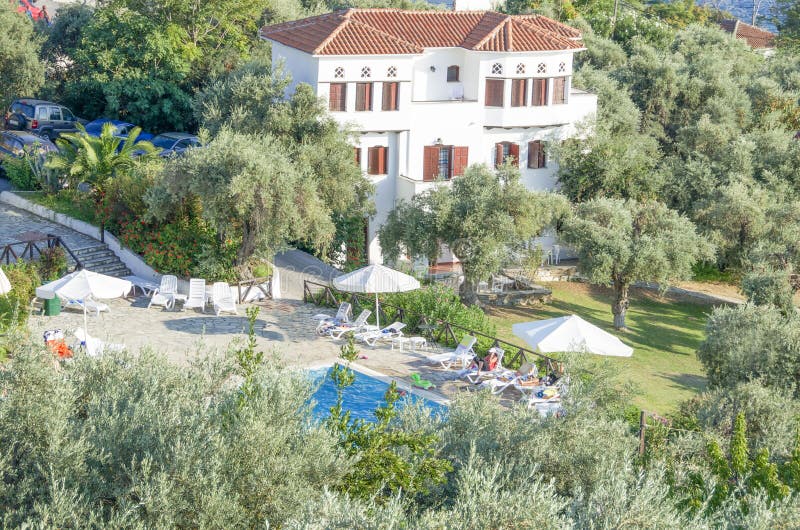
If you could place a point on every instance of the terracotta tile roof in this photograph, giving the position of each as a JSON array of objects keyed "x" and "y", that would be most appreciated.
[
  {"x": 755, "y": 37},
  {"x": 395, "y": 31}
]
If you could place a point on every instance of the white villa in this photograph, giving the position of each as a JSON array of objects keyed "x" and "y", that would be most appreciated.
[{"x": 431, "y": 92}]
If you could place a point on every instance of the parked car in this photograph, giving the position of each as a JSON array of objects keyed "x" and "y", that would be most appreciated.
[
  {"x": 175, "y": 143},
  {"x": 121, "y": 129},
  {"x": 45, "y": 118},
  {"x": 15, "y": 144}
]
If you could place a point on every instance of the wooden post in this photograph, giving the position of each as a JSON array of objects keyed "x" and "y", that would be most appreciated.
[{"x": 642, "y": 426}]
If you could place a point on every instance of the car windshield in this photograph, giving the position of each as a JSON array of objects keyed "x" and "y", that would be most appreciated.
[
  {"x": 21, "y": 108},
  {"x": 163, "y": 142}
]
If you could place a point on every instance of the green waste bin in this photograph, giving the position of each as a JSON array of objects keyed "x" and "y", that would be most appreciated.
[{"x": 52, "y": 306}]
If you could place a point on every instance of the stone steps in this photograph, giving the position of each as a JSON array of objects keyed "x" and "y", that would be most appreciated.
[{"x": 100, "y": 258}]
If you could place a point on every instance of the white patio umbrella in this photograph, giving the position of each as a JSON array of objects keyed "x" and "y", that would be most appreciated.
[
  {"x": 83, "y": 284},
  {"x": 570, "y": 334},
  {"x": 5, "y": 285},
  {"x": 375, "y": 279}
]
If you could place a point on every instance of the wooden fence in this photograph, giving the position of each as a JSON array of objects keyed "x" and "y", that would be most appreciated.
[
  {"x": 437, "y": 330},
  {"x": 28, "y": 247},
  {"x": 245, "y": 287}
]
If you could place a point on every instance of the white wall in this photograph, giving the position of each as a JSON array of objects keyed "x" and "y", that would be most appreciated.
[{"x": 301, "y": 66}]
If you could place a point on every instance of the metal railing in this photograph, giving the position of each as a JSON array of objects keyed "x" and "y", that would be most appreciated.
[
  {"x": 438, "y": 330},
  {"x": 28, "y": 247}
]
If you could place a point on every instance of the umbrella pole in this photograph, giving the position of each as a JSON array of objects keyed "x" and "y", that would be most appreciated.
[
  {"x": 85, "y": 325},
  {"x": 377, "y": 314}
]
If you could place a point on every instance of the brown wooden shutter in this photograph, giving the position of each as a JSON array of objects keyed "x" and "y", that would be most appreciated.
[
  {"x": 372, "y": 160},
  {"x": 494, "y": 93},
  {"x": 513, "y": 152},
  {"x": 498, "y": 154},
  {"x": 357, "y": 153},
  {"x": 460, "y": 160},
  {"x": 540, "y": 92},
  {"x": 382, "y": 155},
  {"x": 559, "y": 86},
  {"x": 337, "y": 97},
  {"x": 363, "y": 96},
  {"x": 430, "y": 162},
  {"x": 389, "y": 96},
  {"x": 536, "y": 155},
  {"x": 518, "y": 91}
]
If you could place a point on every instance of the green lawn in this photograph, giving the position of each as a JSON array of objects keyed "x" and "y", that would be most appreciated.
[
  {"x": 664, "y": 334},
  {"x": 76, "y": 205}
]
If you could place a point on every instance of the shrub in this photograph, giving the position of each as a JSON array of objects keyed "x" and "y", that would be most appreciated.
[
  {"x": 769, "y": 288},
  {"x": 52, "y": 263},
  {"x": 24, "y": 279},
  {"x": 20, "y": 173},
  {"x": 748, "y": 343}
]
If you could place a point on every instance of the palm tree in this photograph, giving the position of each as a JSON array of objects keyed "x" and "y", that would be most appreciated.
[{"x": 96, "y": 160}]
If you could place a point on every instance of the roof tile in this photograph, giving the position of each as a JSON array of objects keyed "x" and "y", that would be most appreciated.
[
  {"x": 395, "y": 31},
  {"x": 755, "y": 37}
]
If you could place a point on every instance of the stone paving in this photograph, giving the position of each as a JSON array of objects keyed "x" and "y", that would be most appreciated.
[
  {"x": 284, "y": 327},
  {"x": 14, "y": 221}
]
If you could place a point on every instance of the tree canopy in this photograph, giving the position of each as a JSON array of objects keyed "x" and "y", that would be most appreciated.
[
  {"x": 480, "y": 216},
  {"x": 623, "y": 242},
  {"x": 21, "y": 70}
]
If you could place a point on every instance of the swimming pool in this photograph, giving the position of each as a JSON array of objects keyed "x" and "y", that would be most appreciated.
[{"x": 361, "y": 398}]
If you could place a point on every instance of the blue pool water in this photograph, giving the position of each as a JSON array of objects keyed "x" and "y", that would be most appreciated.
[{"x": 361, "y": 398}]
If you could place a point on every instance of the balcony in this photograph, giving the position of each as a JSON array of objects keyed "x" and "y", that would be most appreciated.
[{"x": 578, "y": 107}]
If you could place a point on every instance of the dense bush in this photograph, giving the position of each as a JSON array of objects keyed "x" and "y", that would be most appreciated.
[
  {"x": 748, "y": 343},
  {"x": 20, "y": 173},
  {"x": 52, "y": 263},
  {"x": 769, "y": 288},
  {"x": 24, "y": 278}
]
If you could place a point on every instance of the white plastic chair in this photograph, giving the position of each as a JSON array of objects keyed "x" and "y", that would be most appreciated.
[
  {"x": 475, "y": 376},
  {"x": 223, "y": 299},
  {"x": 197, "y": 294},
  {"x": 92, "y": 306},
  {"x": 391, "y": 331},
  {"x": 165, "y": 294}
]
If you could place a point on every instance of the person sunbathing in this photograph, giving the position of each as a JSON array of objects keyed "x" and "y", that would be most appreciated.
[{"x": 489, "y": 362}]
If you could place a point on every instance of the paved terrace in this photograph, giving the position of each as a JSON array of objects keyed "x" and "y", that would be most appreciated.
[{"x": 284, "y": 327}]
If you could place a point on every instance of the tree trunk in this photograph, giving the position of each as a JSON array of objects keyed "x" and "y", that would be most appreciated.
[
  {"x": 620, "y": 306},
  {"x": 468, "y": 292}
]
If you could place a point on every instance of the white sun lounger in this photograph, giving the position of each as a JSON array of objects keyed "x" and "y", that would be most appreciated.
[
  {"x": 165, "y": 294},
  {"x": 197, "y": 295},
  {"x": 391, "y": 331},
  {"x": 95, "y": 347},
  {"x": 92, "y": 306},
  {"x": 357, "y": 326},
  {"x": 463, "y": 354}
]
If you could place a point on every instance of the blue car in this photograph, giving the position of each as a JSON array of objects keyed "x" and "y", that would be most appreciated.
[
  {"x": 121, "y": 129},
  {"x": 175, "y": 143}
]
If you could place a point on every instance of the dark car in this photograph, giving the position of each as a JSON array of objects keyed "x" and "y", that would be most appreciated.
[
  {"x": 18, "y": 143},
  {"x": 121, "y": 130},
  {"x": 175, "y": 143},
  {"x": 45, "y": 118}
]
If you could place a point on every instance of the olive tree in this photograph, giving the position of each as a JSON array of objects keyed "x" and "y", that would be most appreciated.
[
  {"x": 623, "y": 242},
  {"x": 249, "y": 191},
  {"x": 21, "y": 71},
  {"x": 479, "y": 217}
]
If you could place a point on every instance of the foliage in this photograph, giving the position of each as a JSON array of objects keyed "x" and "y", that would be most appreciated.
[
  {"x": 439, "y": 302},
  {"x": 388, "y": 460},
  {"x": 251, "y": 100},
  {"x": 20, "y": 173},
  {"x": 52, "y": 263},
  {"x": 786, "y": 17},
  {"x": 24, "y": 279},
  {"x": 69, "y": 202},
  {"x": 768, "y": 288},
  {"x": 749, "y": 343},
  {"x": 249, "y": 191},
  {"x": 21, "y": 71},
  {"x": 622, "y": 242},
  {"x": 481, "y": 216}
]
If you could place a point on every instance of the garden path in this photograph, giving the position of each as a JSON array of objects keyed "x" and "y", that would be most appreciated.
[{"x": 14, "y": 221}]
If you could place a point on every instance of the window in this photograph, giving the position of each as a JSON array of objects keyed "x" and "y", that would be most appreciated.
[
  {"x": 452, "y": 74},
  {"x": 68, "y": 116},
  {"x": 444, "y": 161},
  {"x": 366, "y": 72},
  {"x": 43, "y": 113},
  {"x": 559, "y": 90},
  {"x": 337, "y": 98},
  {"x": 494, "y": 92},
  {"x": 376, "y": 160},
  {"x": 539, "y": 92},
  {"x": 55, "y": 114},
  {"x": 390, "y": 91},
  {"x": 497, "y": 69},
  {"x": 520, "y": 68},
  {"x": 562, "y": 67},
  {"x": 519, "y": 89},
  {"x": 338, "y": 73},
  {"x": 542, "y": 68},
  {"x": 363, "y": 96},
  {"x": 391, "y": 71},
  {"x": 504, "y": 151},
  {"x": 536, "y": 157}
]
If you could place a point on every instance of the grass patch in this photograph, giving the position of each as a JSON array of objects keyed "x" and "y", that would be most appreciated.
[
  {"x": 664, "y": 334},
  {"x": 69, "y": 202},
  {"x": 703, "y": 271}
]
